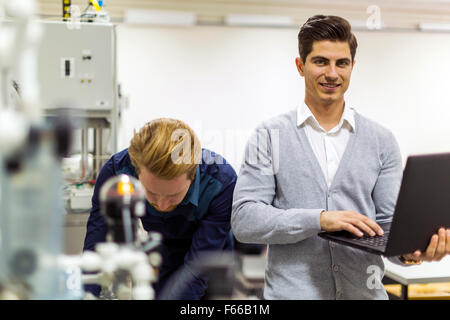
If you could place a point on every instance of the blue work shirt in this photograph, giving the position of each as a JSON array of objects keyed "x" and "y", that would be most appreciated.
[{"x": 201, "y": 222}]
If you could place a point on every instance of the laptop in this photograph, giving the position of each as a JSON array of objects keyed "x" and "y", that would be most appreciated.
[{"x": 423, "y": 206}]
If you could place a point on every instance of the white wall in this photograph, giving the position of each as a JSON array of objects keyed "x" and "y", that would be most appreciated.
[
  {"x": 402, "y": 81},
  {"x": 224, "y": 81}
]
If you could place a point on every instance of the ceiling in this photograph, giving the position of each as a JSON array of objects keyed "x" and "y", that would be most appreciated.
[{"x": 394, "y": 13}]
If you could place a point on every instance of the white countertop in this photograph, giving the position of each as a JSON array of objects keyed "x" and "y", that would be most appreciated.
[{"x": 427, "y": 272}]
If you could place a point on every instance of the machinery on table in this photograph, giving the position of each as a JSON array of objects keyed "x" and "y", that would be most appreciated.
[{"x": 125, "y": 265}]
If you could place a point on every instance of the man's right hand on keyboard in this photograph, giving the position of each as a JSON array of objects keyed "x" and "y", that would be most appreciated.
[{"x": 351, "y": 221}]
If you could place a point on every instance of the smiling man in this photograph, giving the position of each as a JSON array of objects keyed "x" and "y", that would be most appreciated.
[
  {"x": 332, "y": 169},
  {"x": 189, "y": 195}
]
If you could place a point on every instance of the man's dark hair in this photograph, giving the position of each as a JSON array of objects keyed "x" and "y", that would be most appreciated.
[{"x": 331, "y": 28}]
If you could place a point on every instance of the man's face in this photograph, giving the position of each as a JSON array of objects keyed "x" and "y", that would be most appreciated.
[
  {"x": 327, "y": 71},
  {"x": 164, "y": 195}
]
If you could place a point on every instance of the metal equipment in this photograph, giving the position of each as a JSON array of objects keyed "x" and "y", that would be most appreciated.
[{"x": 125, "y": 265}]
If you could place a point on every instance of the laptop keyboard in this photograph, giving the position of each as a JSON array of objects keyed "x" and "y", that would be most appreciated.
[{"x": 377, "y": 241}]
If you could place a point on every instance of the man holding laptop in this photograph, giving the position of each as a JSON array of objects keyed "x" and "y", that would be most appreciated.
[{"x": 322, "y": 167}]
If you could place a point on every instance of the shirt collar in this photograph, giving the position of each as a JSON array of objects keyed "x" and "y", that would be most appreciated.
[
  {"x": 194, "y": 190},
  {"x": 349, "y": 116},
  {"x": 304, "y": 113}
]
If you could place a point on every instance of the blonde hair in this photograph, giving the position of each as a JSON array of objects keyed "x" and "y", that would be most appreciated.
[{"x": 167, "y": 148}]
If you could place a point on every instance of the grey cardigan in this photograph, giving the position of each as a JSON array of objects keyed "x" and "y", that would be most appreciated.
[{"x": 281, "y": 191}]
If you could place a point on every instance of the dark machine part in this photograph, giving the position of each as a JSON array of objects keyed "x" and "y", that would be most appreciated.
[
  {"x": 59, "y": 129},
  {"x": 121, "y": 218},
  {"x": 62, "y": 130},
  {"x": 14, "y": 162},
  {"x": 221, "y": 280},
  {"x": 218, "y": 267},
  {"x": 23, "y": 263}
]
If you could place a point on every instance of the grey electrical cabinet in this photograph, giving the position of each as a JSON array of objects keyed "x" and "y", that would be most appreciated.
[
  {"x": 77, "y": 66},
  {"x": 77, "y": 72}
]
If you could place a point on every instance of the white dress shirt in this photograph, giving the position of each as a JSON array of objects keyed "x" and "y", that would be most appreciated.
[{"x": 328, "y": 146}]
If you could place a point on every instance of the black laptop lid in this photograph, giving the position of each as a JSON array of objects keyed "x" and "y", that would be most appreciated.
[{"x": 423, "y": 203}]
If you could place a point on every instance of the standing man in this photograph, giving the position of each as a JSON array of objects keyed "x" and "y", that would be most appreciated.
[
  {"x": 321, "y": 167},
  {"x": 189, "y": 195}
]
